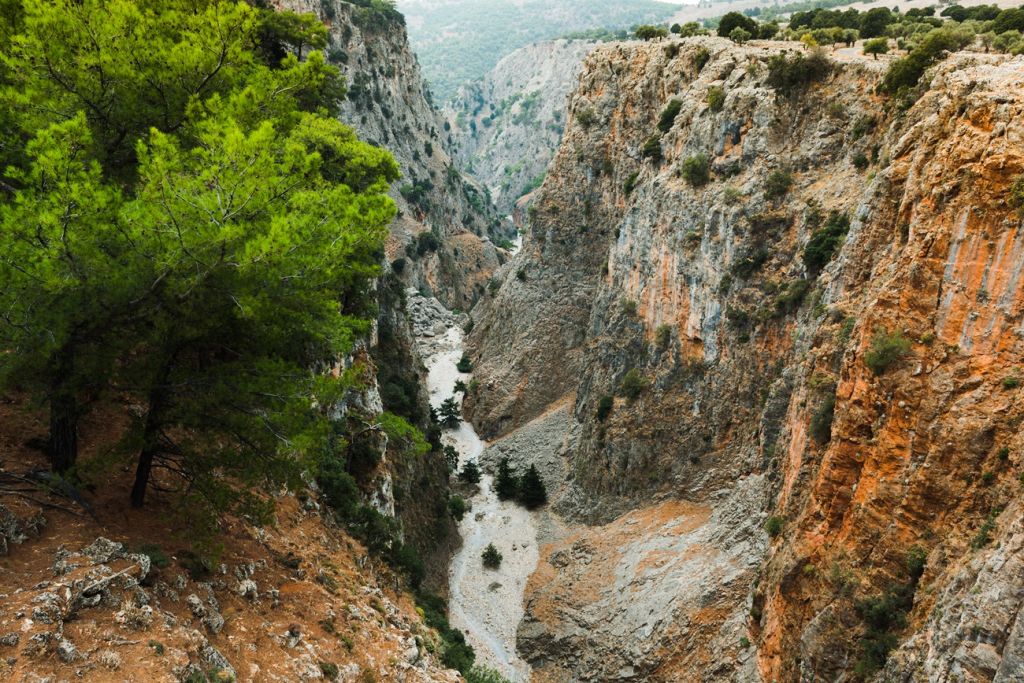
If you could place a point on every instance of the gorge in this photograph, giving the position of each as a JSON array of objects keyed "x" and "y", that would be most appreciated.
[{"x": 756, "y": 321}]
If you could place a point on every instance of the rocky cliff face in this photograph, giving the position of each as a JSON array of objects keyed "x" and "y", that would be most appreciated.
[
  {"x": 388, "y": 105},
  {"x": 862, "y": 406},
  {"x": 508, "y": 125}
]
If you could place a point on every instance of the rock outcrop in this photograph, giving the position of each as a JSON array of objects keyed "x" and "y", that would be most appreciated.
[
  {"x": 508, "y": 125},
  {"x": 835, "y": 429},
  {"x": 388, "y": 104}
]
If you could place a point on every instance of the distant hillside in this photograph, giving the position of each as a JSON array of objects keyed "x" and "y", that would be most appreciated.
[{"x": 461, "y": 40}]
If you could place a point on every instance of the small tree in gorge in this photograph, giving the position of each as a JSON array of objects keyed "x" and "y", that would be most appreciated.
[
  {"x": 450, "y": 413},
  {"x": 491, "y": 557},
  {"x": 505, "y": 484},
  {"x": 532, "y": 492}
]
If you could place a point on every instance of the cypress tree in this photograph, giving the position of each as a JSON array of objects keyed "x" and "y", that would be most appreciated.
[
  {"x": 532, "y": 492},
  {"x": 505, "y": 483}
]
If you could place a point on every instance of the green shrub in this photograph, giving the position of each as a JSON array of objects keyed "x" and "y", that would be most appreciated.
[
  {"x": 491, "y": 557},
  {"x": 648, "y": 32},
  {"x": 1016, "y": 199},
  {"x": 860, "y": 161},
  {"x": 586, "y": 117},
  {"x": 628, "y": 307},
  {"x": 716, "y": 98},
  {"x": 481, "y": 674},
  {"x": 633, "y": 384},
  {"x": 1003, "y": 454},
  {"x": 988, "y": 478},
  {"x": 668, "y": 115},
  {"x": 774, "y": 525},
  {"x": 821, "y": 421},
  {"x": 338, "y": 487},
  {"x": 457, "y": 507},
  {"x": 791, "y": 75},
  {"x": 1011, "y": 382},
  {"x": 630, "y": 183},
  {"x": 652, "y": 149},
  {"x": 750, "y": 264},
  {"x": 984, "y": 535},
  {"x": 792, "y": 297},
  {"x": 604, "y": 408},
  {"x": 465, "y": 364},
  {"x": 885, "y": 349},
  {"x": 662, "y": 336},
  {"x": 155, "y": 553},
  {"x": 329, "y": 670},
  {"x": 824, "y": 242},
  {"x": 470, "y": 473},
  {"x": 696, "y": 170},
  {"x": 701, "y": 57},
  {"x": 777, "y": 184}
]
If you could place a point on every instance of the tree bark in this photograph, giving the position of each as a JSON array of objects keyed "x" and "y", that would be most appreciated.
[
  {"x": 63, "y": 442},
  {"x": 158, "y": 399}
]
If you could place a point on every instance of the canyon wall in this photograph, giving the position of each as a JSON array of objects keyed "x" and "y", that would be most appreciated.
[
  {"x": 508, "y": 125},
  {"x": 388, "y": 105},
  {"x": 784, "y": 461}
]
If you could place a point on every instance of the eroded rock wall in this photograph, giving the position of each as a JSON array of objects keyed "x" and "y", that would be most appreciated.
[{"x": 738, "y": 347}]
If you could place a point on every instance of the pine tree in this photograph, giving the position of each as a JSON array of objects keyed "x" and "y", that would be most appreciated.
[
  {"x": 491, "y": 557},
  {"x": 186, "y": 222},
  {"x": 450, "y": 413},
  {"x": 451, "y": 457},
  {"x": 505, "y": 483},
  {"x": 532, "y": 492},
  {"x": 470, "y": 473}
]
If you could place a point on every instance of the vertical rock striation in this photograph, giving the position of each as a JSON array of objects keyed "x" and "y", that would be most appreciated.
[{"x": 665, "y": 285}]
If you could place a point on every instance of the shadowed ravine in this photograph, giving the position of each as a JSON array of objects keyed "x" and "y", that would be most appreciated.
[{"x": 486, "y": 604}]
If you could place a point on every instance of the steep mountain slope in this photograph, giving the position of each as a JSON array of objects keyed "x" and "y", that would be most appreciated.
[
  {"x": 388, "y": 105},
  {"x": 664, "y": 291},
  {"x": 508, "y": 125}
]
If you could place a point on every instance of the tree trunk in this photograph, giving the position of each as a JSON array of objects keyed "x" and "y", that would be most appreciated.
[
  {"x": 63, "y": 442},
  {"x": 151, "y": 434}
]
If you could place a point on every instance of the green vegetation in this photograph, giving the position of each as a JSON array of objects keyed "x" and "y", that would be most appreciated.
[
  {"x": 1011, "y": 382},
  {"x": 204, "y": 125},
  {"x": 984, "y": 535},
  {"x": 458, "y": 507},
  {"x": 470, "y": 473},
  {"x": 450, "y": 413},
  {"x": 734, "y": 20},
  {"x": 652, "y": 149},
  {"x": 506, "y": 484},
  {"x": 668, "y": 115},
  {"x": 648, "y": 32},
  {"x": 824, "y": 242},
  {"x": 696, "y": 170},
  {"x": 774, "y": 525},
  {"x": 630, "y": 183},
  {"x": 662, "y": 337},
  {"x": 876, "y": 46},
  {"x": 885, "y": 349},
  {"x": 604, "y": 408},
  {"x": 455, "y": 652},
  {"x": 1016, "y": 195},
  {"x": 821, "y": 421},
  {"x": 531, "y": 490},
  {"x": 632, "y": 384},
  {"x": 491, "y": 557},
  {"x": 791, "y": 298},
  {"x": 790, "y": 75},
  {"x": 777, "y": 184},
  {"x": 716, "y": 98},
  {"x": 885, "y": 615},
  {"x": 465, "y": 364},
  {"x": 482, "y": 674}
]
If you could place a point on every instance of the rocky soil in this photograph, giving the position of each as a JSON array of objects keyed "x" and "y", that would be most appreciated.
[{"x": 738, "y": 348}]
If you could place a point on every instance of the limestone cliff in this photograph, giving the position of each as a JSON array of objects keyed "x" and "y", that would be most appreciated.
[
  {"x": 388, "y": 105},
  {"x": 858, "y": 399},
  {"x": 508, "y": 125}
]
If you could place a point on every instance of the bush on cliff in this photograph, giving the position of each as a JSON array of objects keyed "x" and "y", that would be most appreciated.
[
  {"x": 668, "y": 115},
  {"x": 696, "y": 170},
  {"x": 633, "y": 384},
  {"x": 791, "y": 75},
  {"x": 824, "y": 242},
  {"x": 885, "y": 349}
]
